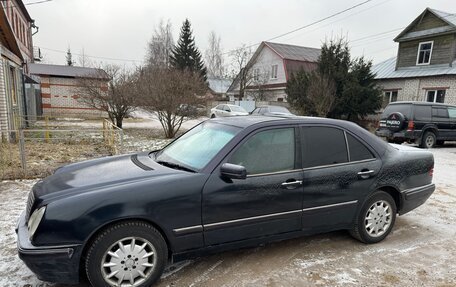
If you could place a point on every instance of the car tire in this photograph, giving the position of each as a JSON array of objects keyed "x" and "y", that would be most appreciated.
[
  {"x": 212, "y": 116},
  {"x": 126, "y": 250},
  {"x": 428, "y": 140},
  {"x": 440, "y": 142},
  {"x": 375, "y": 219}
]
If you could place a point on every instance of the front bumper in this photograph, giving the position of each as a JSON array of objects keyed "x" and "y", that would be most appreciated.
[
  {"x": 58, "y": 264},
  {"x": 414, "y": 197}
]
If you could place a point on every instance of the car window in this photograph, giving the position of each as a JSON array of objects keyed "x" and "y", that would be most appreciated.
[
  {"x": 358, "y": 151},
  {"x": 226, "y": 108},
  {"x": 452, "y": 113},
  {"x": 267, "y": 151},
  {"x": 422, "y": 113},
  {"x": 440, "y": 112},
  {"x": 238, "y": 109},
  {"x": 405, "y": 109},
  {"x": 198, "y": 146},
  {"x": 256, "y": 111},
  {"x": 278, "y": 109},
  {"x": 263, "y": 110},
  {"x": 324, "y": 146},
  {"x": 219, "y": 107}
]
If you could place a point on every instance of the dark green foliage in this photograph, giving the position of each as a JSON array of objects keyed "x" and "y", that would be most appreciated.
[
  {"x": 185, "y": 55},
  {"x": 297, "y": 93},
  {"x": 356, "y": 94}
]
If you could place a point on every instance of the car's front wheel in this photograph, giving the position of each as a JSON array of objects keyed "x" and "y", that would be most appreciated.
[
  {"x": 212, "y": 116},
  {"x": 126, "y": 254},
  {"x": 375, "y": 219}
]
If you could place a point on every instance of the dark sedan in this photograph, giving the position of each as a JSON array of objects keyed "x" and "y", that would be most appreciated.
[
  {"x": 271, "y": 111},
  {"x": 226, "y": 183}
]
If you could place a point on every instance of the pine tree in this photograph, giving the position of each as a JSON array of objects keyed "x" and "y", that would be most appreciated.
[
  {"x": 185, "y": 55},
  {"x": 69, "y": 58}
]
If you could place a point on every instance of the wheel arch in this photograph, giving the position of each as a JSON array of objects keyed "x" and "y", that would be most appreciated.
[
  {"x": 395, "y": 194},
  {"x": 107, "y": 225}
]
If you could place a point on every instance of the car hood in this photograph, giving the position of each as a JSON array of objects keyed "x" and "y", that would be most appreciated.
[{"x": 89, "y": 175}]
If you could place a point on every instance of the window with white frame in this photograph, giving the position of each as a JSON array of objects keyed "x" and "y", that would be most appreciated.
[
  {"x": 274, "y": 71},
  {"x": 435, "y": 96},
  {"x": 256, "y": 74},
  {"x": 424, "y": 53},
  {"x": 389, "y": 97}
]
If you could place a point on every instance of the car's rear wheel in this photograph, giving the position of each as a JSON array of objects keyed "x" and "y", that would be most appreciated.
[
  {"x": 428, "y": 140},
  {"x": 126, "y": 254},
  {"x": 375, "y": 219},
  {"x": 212, "y": 116}
]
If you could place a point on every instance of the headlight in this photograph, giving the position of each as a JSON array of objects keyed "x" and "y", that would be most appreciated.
[{"x": 35, "y": 220}]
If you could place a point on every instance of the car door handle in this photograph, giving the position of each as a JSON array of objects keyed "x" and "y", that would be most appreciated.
[
  {"x": 291, "y": 184},
  {"x": 365, "y": 174}
]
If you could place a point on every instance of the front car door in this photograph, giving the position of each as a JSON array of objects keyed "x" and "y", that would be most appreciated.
[
  {"x": 268, "y": 201},
  {"x": 339, "y": 169}
]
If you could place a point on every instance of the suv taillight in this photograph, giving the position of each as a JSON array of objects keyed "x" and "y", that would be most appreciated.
[
  {"x": 431, "y": 172},
  {"x": 410, "y": 126}
]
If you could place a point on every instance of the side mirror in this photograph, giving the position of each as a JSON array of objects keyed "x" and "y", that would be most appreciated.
[{"x": 233, "y": 171}]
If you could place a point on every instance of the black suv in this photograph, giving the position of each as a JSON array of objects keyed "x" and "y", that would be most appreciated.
[{"x": 427, "y": 124}]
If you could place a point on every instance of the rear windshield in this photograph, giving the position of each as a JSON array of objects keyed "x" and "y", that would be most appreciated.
[
  {"x": 405, "y": 109},
  {"x": 276, "y": 109}
]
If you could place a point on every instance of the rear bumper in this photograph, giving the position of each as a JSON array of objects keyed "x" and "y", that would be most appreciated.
[
  {"x": 399, "y": 136},
  {"x": 414, "y": 197},
  {"x": 50, "y": 263}
]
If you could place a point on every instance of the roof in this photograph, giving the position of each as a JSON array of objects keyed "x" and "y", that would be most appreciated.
[
  {"x": 387, "y": 70},
  {"x": 67, "y": 71},
  {"x": 293, "y": 52},
  {"x": 21, "y": 6},
  {"x": 446, "y": 17},
  {"x": 219, "y": 85}
]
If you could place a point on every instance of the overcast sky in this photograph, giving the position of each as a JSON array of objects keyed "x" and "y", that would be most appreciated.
[{"x": 121, "y": 29}]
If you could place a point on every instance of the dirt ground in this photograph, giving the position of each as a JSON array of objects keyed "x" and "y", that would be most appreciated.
[{"x": 421, "y": 250}]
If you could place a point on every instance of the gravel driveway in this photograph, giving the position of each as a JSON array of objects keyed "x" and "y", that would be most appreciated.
[{"x": 421, "y": 250}]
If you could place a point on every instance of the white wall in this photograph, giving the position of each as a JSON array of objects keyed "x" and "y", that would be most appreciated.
[{"x": 264, "y": 63}]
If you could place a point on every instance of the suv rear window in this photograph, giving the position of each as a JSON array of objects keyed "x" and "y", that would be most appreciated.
[
  {"x": 405, "y": 109},
  {"x": 422, "y": 113}
]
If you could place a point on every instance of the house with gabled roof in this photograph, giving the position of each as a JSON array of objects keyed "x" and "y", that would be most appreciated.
[
  {"x": 425, "y": 66},
  {"x": 269, "y": 69}
]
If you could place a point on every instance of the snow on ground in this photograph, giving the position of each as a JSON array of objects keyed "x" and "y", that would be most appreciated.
[{"x": 421, "y": 250}]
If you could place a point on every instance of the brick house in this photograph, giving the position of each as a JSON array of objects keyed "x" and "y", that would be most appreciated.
[
  {"x": 60, "y": 89},
  {"x": 16, "y": 48},
  {"x": 269, "y": 69},
  {"x": 425, "y": 66}
]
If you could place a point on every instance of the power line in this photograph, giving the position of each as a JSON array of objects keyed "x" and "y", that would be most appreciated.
[
  {"x": 88, "y": 56},
  {"x": 308, "y": 25}
]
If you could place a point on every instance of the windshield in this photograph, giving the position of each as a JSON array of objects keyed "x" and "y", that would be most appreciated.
[
  {"x": 276, "y": 109},
  {"x": 198, "y": 146},
  {"x": 237, "y": 109}
]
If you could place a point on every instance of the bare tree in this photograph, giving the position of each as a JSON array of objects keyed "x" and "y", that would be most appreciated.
[
  {"x": 170, "y": 93},
  {"x": 321, "y": 93},
  {"x": 84, "y": 60},
  {"x": 214, "y": 57},
  {"x": 161, "y": 45},
  {"x": 112, "y": 90},
  {"x": 260, "y": 77},
  {"x": 241, "y": 68}
]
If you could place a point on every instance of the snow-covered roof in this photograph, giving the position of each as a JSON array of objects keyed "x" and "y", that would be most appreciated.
[
  {"x": 219, "y": 85},
  {"x": 66, "y": 71},
  {"x": 386, "y": 70}
]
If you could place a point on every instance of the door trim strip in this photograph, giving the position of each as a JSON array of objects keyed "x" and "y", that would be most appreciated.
[{"x": 330, "y": 205}]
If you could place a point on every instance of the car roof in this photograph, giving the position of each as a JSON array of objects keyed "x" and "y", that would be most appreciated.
[
  {"x": 421, "y": 103},
  {"x": 246, "y": 121}
]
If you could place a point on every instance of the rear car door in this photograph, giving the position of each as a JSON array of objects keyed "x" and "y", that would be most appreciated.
[
  {"x": 441, "y": 120},
  {"x": 268, "y": 201},
  {"x": 452, "y": 118},
  {"x": 339, "y": 169}
]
